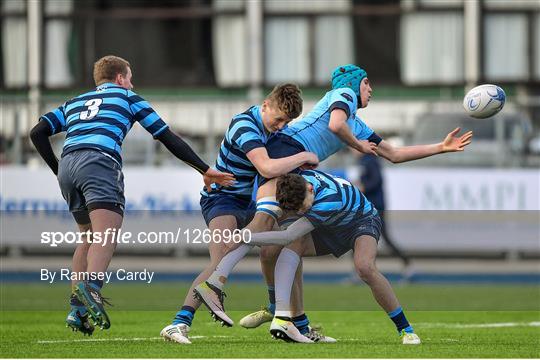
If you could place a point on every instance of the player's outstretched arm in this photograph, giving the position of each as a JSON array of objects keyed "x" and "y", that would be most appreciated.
[
  {"x": 296, "y": 230},
  {"x": 271, "y": 168},
  {"x": 184, "y": 152},
  {"x": 338, "y": 125},
  {"x": 451, "y": 143},
  {"x": 40, "y": 138}
]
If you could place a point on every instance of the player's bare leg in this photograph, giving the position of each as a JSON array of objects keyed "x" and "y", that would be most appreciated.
[
  {"x": 79, "y": 263},
  {"x": 77, "y": 318},
  {"x": 365, "y": 252},
  {"x": 106, "y": 223}
]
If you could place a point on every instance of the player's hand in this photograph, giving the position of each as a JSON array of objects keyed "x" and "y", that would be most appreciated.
[
  {"x": 311, "y": 161},
  {"x": 454, "y": 143},
  {"x": 367, "y": 147},
  {"x": 212, "y": 176}
]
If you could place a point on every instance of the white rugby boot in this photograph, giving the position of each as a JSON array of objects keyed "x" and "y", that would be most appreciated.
[
  {"x": 409, "y": 338},
  {"x": 177, "y": 333},
  {"x": 256, "y": 319},
  {"x": 213, "y": 298},
  {"x": 285, "y": 330},
  {"x": 316, "y": 335}
]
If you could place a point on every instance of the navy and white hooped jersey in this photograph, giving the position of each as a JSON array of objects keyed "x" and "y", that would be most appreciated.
[
  {"x": 312, "y": 130},
  {"x": 245, "y": 133},
  {"x": 337, "y": 202},
  {"x": 100, "y": 119}
]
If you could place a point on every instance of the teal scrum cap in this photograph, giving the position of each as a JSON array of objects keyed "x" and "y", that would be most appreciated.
[{"x": 348, "y": 76}]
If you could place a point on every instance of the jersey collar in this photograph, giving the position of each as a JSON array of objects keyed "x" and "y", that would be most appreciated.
[{"x": 107, "y": 85}]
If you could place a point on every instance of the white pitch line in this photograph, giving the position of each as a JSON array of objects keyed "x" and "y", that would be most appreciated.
[
  {"x": 95, "y": 340},
  {"x": 421, "y": 325},
  {"x": 477, "y": 326},
  {"x": 118, "y": 339}
]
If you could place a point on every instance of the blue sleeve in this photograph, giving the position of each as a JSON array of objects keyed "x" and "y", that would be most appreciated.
[
  {"x": 344, "y": 99},
  {"x": 245, "y": 135},
  {"x": 145, "y": 115},
  {"x": 56, "y": 120},
  {"x": 363, "y": 132}
]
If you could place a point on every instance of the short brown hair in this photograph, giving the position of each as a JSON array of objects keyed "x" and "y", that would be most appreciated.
[
  {"x": 288, "y": 99},
  {"x": 291, "y": 191},
  {"x": 106, "y": 69}
]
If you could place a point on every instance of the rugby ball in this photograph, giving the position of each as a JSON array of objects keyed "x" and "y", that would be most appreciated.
[{"x": 484, "y": 101}]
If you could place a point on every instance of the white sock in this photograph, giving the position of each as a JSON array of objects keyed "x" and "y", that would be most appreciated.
[
  {"x": 286, "y": 266},
  {"x": 227, "y": 264}
]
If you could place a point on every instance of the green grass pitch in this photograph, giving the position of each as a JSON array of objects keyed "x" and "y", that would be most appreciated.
[{"x": 453, "y": 322}]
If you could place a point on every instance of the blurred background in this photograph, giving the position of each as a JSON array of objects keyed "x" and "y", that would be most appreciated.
[{"x": 199, "y": 62}]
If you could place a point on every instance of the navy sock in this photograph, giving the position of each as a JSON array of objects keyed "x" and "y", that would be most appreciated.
[
  {"x": 302, "y": 323},
  {"x": 398, "y": 317},
  {"x": 96, "y": 284},
  {"x": 271, "y": 299},
  {"x": 184, "y": 316}
]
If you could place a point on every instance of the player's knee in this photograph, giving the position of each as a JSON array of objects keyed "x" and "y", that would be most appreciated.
[
  {"x": 269, "y": 254},
  {"x": 366, "y": 270}
]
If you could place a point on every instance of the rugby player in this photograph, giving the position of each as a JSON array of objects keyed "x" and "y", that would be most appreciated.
[
  {"x": 335, "y": 218},
  {"x": 90, "y": 171}
]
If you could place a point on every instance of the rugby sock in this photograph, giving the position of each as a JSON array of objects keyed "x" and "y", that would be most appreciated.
[
  {"x": 96, "y": 284},
  {"x": 398, "y": 317},
  {"x": 184, "y": 316},
  {"x": 286, "y": 266},
  {"x": 302, "y": 323},
  {"x": 227, "y": 264},
  {"x": 271, "y": 299}
]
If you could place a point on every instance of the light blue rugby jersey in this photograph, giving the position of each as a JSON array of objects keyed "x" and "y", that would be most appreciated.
[
  {"x": 337, "y": 202},
  {"x": 100, "y": 119},
  {"x": 312, "y": 130},
  {"x": 245, "y": 133}
]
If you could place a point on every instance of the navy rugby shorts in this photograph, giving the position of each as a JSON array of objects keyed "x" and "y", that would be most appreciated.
[
  {"x": 338, "y": 240},
  {"x": 91, "y": 180},
  {"x": 220, "y": 204}
]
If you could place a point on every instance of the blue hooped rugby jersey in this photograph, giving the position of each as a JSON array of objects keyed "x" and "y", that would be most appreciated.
[
  {"x": 337, "y": 202},
  {"x": 100, "y": 119},
  {"x": 312, "y": 130},
  {"x": 245, "y": 133}
]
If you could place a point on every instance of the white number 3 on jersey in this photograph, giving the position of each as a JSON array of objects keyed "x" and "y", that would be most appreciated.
[{"x": 93, "y": 108}]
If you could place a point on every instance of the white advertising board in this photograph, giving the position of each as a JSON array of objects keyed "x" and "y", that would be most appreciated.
[{"x": 170, "y": 188}]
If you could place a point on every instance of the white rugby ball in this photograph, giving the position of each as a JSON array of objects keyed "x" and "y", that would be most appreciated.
[{"x": 484, "y": 101}]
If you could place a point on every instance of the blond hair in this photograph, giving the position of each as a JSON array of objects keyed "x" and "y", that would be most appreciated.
[
  {"x": 288, "y": 99},
  {"x": 108, "y": 67}
]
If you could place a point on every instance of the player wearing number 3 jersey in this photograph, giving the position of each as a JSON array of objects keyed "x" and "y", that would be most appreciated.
[{"x": 90, "y": 171}]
